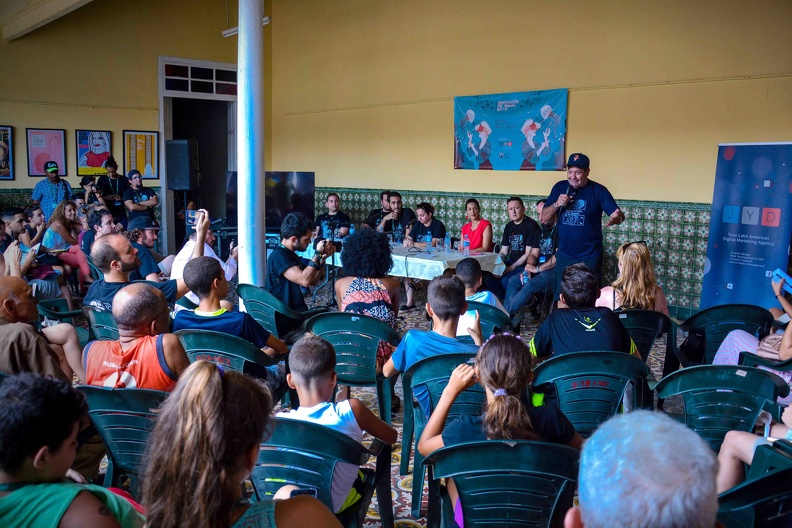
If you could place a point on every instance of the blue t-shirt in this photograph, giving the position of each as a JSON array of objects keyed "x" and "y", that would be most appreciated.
[
  {"x": 101, "y": 293},
  {"x": 580, "y": 225},
  {"x": 239, "y": 324},
  {"x": 147, "y": 263},
  {"x": 419, "y": 344}
]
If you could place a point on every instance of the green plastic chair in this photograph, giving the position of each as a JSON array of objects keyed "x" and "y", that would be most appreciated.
[
  {"x": 770, "y": 458},
  {"x": 433, "y": 372},
  {"x": 645, "y": 327},
  {"x": 124, "y": 419},
  {"x": 722, "y": 398},
  {"x": 765, "y": 502},
  {"x": 505, "y": 483},
  {"x": 590, "y": 386},
  {"x": 96, "y": 273},
  {"x": 184, "y": 302},
  {"x": 3, "y": 376},
  {"x": 230, "y": 352},
  {"x": 306, "y": 454},
  {"x": 270, "y": 311},
  {"x": 103, "y": 326},
  {"x": 58, "y": 310},
  {"x": 356, "y": 338},
  {"x": 492, "y": 320},
  {"x": 750, "y": 359},
  {"x": 715, "y": 323}
]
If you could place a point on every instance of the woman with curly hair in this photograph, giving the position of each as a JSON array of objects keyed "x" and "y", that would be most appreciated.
[
  {"x": 636, "y": 286},
  {"x": 62, "y": 235},
  {"x": 503, "y": 368},
  {"x": 207, "y": 436},
  {"x": 366, "y": 289}
]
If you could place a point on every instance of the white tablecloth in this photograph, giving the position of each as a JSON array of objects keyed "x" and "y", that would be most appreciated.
[{"x": 422, "y": 265}]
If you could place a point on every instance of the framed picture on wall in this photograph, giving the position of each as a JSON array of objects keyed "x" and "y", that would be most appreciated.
[
  {"x": 141, "y": 152},
  {"x": 43, "y": 145},
  {"x": 6, "y": 153},
  {"x": 93, "y": 149}
]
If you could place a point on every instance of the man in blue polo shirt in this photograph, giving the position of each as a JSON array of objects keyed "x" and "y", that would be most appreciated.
[
  {"x": 579, "y": 203},
  {"x": 50, "y": 192}
]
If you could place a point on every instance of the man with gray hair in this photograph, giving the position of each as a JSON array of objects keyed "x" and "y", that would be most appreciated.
[{"x": 643, "y": 469}]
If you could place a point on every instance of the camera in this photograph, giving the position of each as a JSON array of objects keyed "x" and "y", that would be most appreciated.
[{"x": 335, "y": 243}]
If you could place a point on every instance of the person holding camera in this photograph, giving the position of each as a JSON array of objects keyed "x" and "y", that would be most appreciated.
[
  {"x": 88, "y": 183},
  {"x": 287, "y": 273}
]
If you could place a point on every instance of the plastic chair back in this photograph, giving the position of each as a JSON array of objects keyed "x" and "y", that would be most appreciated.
[
  {"x": 492, "y": 319},
  {"x": 508, "y": 483},
  {"x": 590, "y": 385},
  {"x": 718, "y": 321},
  {"x": 96, "y": 273},
  {"x": 645, "y": 327},
  {"x": 356, "y": 339},
  {"x": 124, "y": 419},
  {"x": 765, "y": 502},
  {"x": 432, "y": 372},
  {"x": 306, "y": 454},
  {"x": 230, "y": 352},
  {"x": 184, "y": 302},
  {"x": 103, "y": 325},
  {"x": 265, "y": 307},
  {"x": 722, "y": 398}
]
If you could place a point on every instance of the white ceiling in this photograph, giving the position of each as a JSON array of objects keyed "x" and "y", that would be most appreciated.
[{"x": 19, "y": 17}]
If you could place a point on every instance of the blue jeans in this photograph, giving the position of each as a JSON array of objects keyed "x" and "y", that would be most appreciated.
[
  {"x": 562, "y": 262},
  {"x": 518, "y": 294}
]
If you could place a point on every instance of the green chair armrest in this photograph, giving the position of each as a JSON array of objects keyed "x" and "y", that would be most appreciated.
[{"x": 749, "y": 359}]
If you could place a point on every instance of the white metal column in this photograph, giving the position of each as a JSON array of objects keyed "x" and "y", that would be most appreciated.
[{"x": 250, "y": 144}]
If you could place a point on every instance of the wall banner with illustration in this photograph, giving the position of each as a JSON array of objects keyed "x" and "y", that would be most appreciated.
[
  {"x": 511, "y": 131},
  {"x": 141, "y": 152},
  {"x": 751, "y": 224}
]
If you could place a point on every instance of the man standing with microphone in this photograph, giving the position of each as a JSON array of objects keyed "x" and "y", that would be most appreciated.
[{"x": 579, "y": 203}]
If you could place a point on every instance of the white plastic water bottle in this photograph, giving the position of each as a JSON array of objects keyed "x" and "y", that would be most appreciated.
[
  {"x": 447, "y": 244},
  {"x": 466, "y": 245}
]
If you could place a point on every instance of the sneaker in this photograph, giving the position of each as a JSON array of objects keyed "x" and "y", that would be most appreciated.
[{"x": 405, "y": 308}]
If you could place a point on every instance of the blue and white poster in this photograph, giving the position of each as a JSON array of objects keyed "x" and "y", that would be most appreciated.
[
  {"x": 511, "y": 131},
  {"x": 751, "y": 224}
]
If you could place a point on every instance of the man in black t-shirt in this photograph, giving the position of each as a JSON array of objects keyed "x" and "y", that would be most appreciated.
[
  {"x": 398, "y": 220},
  {"x": 333, "y": 220},
  {"x": 115, "y": 256},
  {"x": 375, "y": 216},
  {"x": 577, "y": 325},
  {"x": 519, "y": 245},
  {"x": 287, "y": 274},
  {"x": 112, "y": 188},
  {"x": 140, "y": 200},
  {"x": 538, "y": 278}
]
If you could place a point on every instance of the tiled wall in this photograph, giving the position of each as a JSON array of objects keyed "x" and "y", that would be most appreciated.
[{"x": 676, "y": 233}]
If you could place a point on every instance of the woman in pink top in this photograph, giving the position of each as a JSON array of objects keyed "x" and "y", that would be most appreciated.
[{"x": 478, "y": 230}]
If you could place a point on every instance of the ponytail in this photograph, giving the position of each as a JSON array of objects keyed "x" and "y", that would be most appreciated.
[
  {"x": 204, "y": 429},
  {"x": 504, "y": 367}
]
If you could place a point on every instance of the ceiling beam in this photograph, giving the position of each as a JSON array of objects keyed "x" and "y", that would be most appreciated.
[{"x": 20, "y": 17}]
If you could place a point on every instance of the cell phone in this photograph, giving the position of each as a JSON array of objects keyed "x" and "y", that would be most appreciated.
[
  {"x": 310, "y": 492},
  {"x": 190, "y": 216},
  {"x": 779, "y": 274}
]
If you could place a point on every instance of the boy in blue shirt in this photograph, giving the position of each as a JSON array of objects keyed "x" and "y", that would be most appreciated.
[
  {"x": 445, "y": 303},
  {"x": 206, "y": 279}
]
